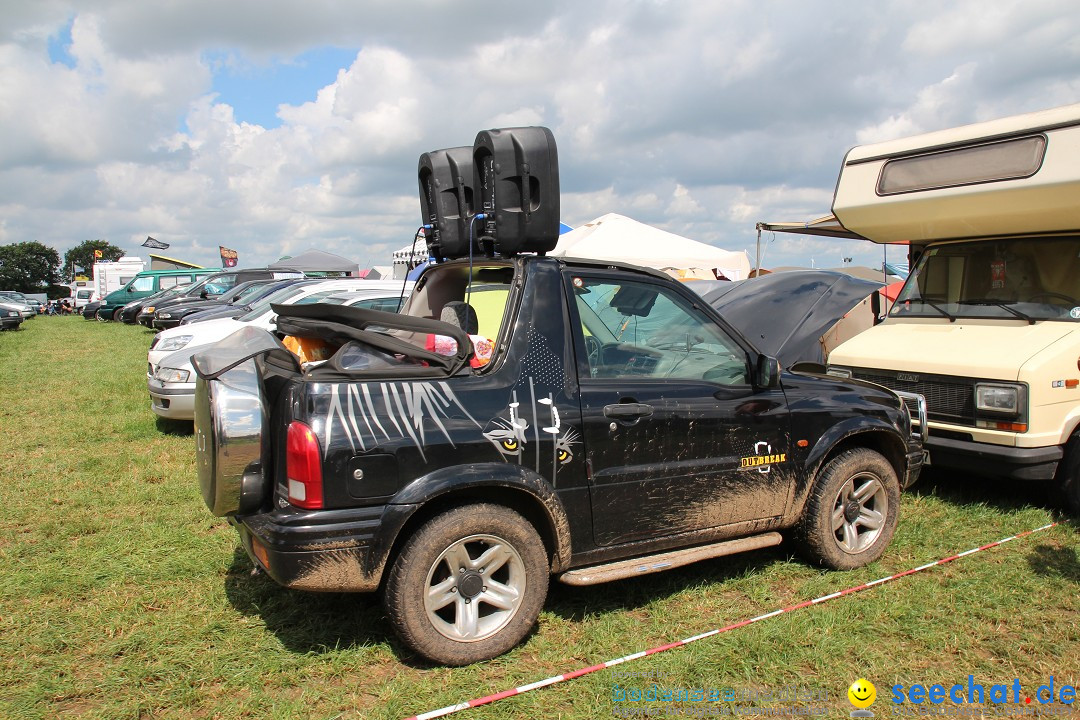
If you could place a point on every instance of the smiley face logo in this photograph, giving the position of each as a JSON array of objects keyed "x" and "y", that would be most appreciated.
[{"x": 862, "y": 693}]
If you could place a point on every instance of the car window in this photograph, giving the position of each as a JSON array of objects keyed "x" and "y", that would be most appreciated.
[
  {"x": 321, "y": 296},
  {"x": 635, "y": 329},
  {"x": 387, "y": 304},
  {"x": 143, "y": 284}
]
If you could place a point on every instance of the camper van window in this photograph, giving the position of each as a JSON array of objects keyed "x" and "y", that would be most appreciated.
[
  {"x": 143, "y": 284},
  {"x": 1007, "y": 160},
  {"x": 168, "y": 281},
  {"x": 1021, "y": 278}
]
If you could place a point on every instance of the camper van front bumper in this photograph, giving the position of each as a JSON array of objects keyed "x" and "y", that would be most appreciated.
[{"x": 1039, "y": 463}]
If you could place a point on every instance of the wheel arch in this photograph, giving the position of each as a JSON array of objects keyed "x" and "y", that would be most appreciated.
[
  {"x": 855, "y": 433},
  {"x": 511, "y": 486},
  {"x": 1071, "y": 426}
]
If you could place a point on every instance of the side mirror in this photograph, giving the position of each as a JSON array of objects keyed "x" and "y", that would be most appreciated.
[{"x": 767, "y": 372}]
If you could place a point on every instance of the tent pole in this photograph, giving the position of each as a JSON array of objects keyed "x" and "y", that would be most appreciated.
[{"x": 757, "y": 253}]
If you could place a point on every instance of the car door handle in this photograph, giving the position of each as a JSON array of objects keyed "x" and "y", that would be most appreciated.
[{"x": 625, "y": 411}]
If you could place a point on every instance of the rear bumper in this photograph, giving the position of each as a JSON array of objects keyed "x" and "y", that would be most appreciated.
[
  {"x": 995, "y": 460},
  {"x": 324, "y": 550}
]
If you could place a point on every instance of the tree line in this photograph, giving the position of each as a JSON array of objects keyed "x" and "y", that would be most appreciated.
[{"x": 30, "y": 267}]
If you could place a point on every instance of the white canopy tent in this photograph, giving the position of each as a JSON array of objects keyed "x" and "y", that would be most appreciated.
[{"x": 618, "y": 238}]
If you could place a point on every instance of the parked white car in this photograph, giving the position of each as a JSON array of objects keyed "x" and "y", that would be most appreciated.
[{"x": 170, "y": 377}]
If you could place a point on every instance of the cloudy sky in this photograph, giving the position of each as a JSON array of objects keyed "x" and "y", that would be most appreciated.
[{"x": 272, "y": 126}]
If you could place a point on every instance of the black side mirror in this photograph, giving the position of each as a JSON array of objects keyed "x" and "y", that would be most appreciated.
[{"x": 767, "y": 372}]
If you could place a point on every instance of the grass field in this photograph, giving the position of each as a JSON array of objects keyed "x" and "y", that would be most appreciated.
[{"x": 122, "y": 597}]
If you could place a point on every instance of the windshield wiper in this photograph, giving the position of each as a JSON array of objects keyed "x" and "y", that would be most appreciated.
[
  {"x": 997, "y": 303},
  {"x": 937, "y": 307}
]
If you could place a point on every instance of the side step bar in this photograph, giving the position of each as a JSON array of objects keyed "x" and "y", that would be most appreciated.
[{"x": 666, "y": 561}]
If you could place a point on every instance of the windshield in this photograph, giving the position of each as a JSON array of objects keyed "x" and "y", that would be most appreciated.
[
  {"x": 1023, "y": 278},
  {"x": 241, "y": 292},
  {"x": 166, "y": 294},
  {"x": 281, "y": 297},
  {"x": 245, "y": 295},
  {"x": 193, "y": 289}
]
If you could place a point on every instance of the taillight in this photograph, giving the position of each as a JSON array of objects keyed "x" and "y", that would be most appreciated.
[{"x": 303, "y": 467}]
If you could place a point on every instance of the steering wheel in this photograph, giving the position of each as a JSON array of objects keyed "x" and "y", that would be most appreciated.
[
  {"x": 592, "y": 351},
  {"x": 1060, "y": 296}
]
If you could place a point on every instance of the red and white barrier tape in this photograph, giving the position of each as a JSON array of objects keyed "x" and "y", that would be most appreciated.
[{"x": 442, "y": 712}]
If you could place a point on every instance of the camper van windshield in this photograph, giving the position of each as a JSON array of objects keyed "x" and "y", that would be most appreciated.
[{"x": 1019, "y": 278}]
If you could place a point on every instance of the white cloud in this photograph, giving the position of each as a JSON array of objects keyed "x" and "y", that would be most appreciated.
[
  {"x": 936, "y": 106},
  {"x": 702, "y": 119}
]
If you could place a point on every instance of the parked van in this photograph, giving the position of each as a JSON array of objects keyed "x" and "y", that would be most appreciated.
[
  {"x": 987, "y": 326},
  {"x": 81, "y": 297},
  {"x": 147, "y": 283}
]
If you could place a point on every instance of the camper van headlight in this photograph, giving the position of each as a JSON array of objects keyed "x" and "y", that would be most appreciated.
[
  {"x": 173, "y": 343},
  {"x": 997, "y": 398}
]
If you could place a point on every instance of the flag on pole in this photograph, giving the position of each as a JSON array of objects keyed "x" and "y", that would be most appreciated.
[
  {"x": 229, "y": 257},
  {"x": 155, "y": 244},
  {"x": 98, "y": 254}
]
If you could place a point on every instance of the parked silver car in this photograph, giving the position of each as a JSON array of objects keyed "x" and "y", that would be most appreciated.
[{"x": 171, "y": 379}]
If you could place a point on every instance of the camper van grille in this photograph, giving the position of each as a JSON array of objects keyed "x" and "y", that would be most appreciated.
[{"x": 948, "y": 400}]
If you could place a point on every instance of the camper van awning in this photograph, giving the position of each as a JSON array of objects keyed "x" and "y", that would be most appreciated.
[{"x": 827, "y": 226}]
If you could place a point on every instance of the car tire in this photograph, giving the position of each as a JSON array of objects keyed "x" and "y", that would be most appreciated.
[
  {"x": 441, "y": 592},
  {"x": 116, "y": 314},
  {"x": 852, "y": 511},
  {"x": 1067, "y": 477}
]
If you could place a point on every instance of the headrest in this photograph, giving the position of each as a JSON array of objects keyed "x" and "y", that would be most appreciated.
[{"x": 461, "y": 314}]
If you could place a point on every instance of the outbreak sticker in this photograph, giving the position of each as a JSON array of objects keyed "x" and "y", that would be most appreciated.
[{"x": 997, "y": 274}]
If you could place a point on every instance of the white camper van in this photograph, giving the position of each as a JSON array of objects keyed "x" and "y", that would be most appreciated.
[
  {"x": 112, "y": 276},
  {"x": 987, "y": 326}
]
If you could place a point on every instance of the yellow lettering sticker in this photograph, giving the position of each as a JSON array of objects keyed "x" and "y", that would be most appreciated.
[{"x": 761, "y": 460}]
